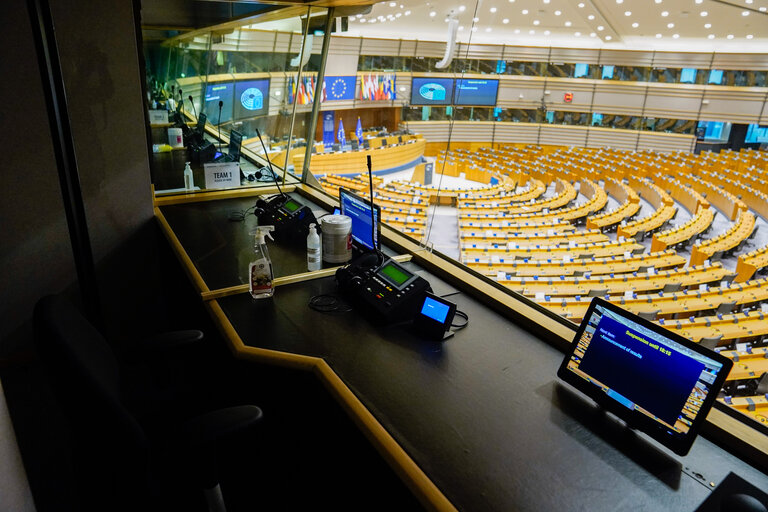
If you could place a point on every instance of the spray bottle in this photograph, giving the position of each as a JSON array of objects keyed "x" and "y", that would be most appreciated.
[
  {"x": 260, "y": 269},
  {"x": 314, "y": 253}
]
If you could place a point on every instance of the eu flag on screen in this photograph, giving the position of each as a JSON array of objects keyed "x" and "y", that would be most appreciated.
[
  {"x": 359, "y": 131},
  {"x": 340, "y": 135}
]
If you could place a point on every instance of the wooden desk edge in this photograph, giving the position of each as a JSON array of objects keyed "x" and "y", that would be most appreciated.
[
  {"x": 178, "y": 249},
  {"x": 409, "y": 472}
]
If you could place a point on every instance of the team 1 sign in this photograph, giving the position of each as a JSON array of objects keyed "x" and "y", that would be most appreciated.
[
  {"x": 222, "y": 175},
  {"x": 568, "y": 97}
]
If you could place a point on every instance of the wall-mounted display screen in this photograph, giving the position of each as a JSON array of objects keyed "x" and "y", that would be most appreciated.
[
  {"x": 215, "y": 93},
  {"x": 687, "y": 76},
  {"x": 251, "y": 98},
  {"x": 477, "y": 92},
  {"x": 715, "y": 77},
  {"x": 580, "y": 70},
  {"x": 431, "y": 91}
]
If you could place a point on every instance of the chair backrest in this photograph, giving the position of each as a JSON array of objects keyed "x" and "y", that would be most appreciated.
[{"x": 110, "y": 449}]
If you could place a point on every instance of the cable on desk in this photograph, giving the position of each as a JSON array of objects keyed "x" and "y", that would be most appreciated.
[
  {"x": 466, "y": 320},
  {"x": 326, "y": 303},
  {"x": 239, "y": 216}
]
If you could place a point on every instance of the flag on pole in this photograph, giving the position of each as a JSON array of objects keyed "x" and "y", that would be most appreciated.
[
  {"x": 291, "y": 89},
  {"x": 359, "y": 131},
  {"x": 340, "y": 135}
]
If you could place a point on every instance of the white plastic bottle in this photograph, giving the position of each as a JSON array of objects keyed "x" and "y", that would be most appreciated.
[
  {"x": 314, "y": 253},
  {"x": 260, "y": 269},
  {"x": 189, "y": 178}
]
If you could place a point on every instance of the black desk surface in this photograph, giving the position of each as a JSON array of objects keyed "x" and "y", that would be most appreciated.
[{"x": 483, "y": 413}]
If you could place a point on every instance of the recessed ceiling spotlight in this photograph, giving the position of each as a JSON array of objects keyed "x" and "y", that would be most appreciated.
[
  {"x": 675, "y": 36},
  {"x": 749, "y": 36},
  {"x": 658, "y": 36},
  {"x": 591, "y": 17},
  {"x": 745, "y": 13},
  {"x": 546, "y": 1},
  {"x": 568, "y": 23},
  {"x": 627, "y": 13},
  {"x": 462, "y": 8},
  {"x": 608, "y": 38},
  {"x": 517, "y": 31},
  {"x": 474, "y": 29},
  {"x": 635, "y": 25},
  {"x": 592, "y": 34},
  {"x": 461, "y": 27},
  {"x": 749, "y": 1},
  {"x": 600, "y": 28},
  {"x": 445, "y": 20},
  {"x": 488, "y": 29},
  {"x": 525, "y": 11},
  {"x": 619, "y": 1},
  {"x": 558, "y": 13},
  {"x": 707, "y": 25},
  {"x": 536, "y": 22},
  {"x": 698, "y": 1},
  {"x": 363, "y": 20},
  {"x": 704, "y": 14},
  {"x": 401, "y": 6},
  {"x": 670, "y": 25},
  {"x": 664, "y": 14},
  {"x": 493, "y": 9},
  {"x": 531, "y": 31},
  {"x": 581, "y": 5},
  {"x": 657, "y": 1},
  {"x": 505, "y": 21},
  {"x": 475, "y": 19},
  {"x": 433, "y": 14},
  {"x": 400, "y": 14},
  {"x": 711, "y": 36},
  {"x": 729, "y": 36},
  {"x": 373, "y": 21},
  {"x": 763, "y": 9},
  {"x": 407, "y": 13},
  {"x": 577, "y": 34},
  {"x": 547, "y": 32},
  {"x": 392, "y": 4}
]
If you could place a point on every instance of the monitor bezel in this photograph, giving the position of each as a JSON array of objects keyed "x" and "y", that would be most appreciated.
[
  {"x": 356, "y": 244},
  {"x": 678, "y": 443}
]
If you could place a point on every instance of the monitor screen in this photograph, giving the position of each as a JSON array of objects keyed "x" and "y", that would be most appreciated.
[
  {"x": 359, "y": 210},
  {"x": 434, "y": 309},
  {"x": 215, "y": 93},
  {"x": 687, "y": 76},
  {"x": 475, "y": 92},
  {"x": 654, "y": 379},
  {"x": 607, "y": 72},
  {"x": 580, "y": 70},
  {"x": 715, "y": 77},
  {"x": 431, "y": 91},
  {"x": 251, "y": 98}
]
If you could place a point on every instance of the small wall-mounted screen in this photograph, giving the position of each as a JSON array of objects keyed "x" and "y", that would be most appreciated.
[
  {"x": 475, "y": 92},
  {"x": 432, "y": 91},
  {"x": 251, "y": 98}
]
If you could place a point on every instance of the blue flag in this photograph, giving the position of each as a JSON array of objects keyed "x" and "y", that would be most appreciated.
[
  {"x": 359, "y": 131},
  {"x": 340, "y": 135}
]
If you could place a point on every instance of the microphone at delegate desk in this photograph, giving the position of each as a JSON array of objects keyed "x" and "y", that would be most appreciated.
[
  {"x": 221, "y": 104},
  {"x": 192, "y": 102}
]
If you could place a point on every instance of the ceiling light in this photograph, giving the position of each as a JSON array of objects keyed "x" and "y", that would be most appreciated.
[
  {"x": 373, "y": 21},
  {"x": 474, "y": 29},
  {"x": 407, "y": 13},
  {"x": 749, "y": 36},
  {"x": 619, "y": 1},
  {"x": 704, "y": 14},
  {"x": 657, "y": 1},
  {"x": 698, "y": 1},
  {"x": 745, "y": 13},
  {"x": 635, "y": 25},
  {"x": 568, "y": 23},
  {"x": 493, "y": 9},
  {"x": 749, "y": 1},
  {"x": 581, "y": 5},
  {"x": 547, "y": 32},
  {"x": 591, "y": 17},
  {"x": 525, "y": 11},
  {"x": 400, "y": 14},
  {"x": 558, "y": 13},
  {"x": 592, "y": 34},
  {"x": 531, "y": 32},
  {"x": 627, "y": 13},
  {"x": 546, "y": 1},
  {"x": 363, "y": 20},
  {"x": 488, "y": 29},
  {"x": 461, "y": 27},
  {"x": 505, "y": 21},
  {"x": 670, "y": 25},
  {"x": 763, "y": 9},
  {"x": 658, "y": 36},
  {"x": 433, "y": 13},
  {"x": 577, "y": 34},
  {"x": 675, "y": 36},
  {"x": 729, "y": 36},
  {"x": 711, "y": 36},
  {"x": 536, "y": 22},
  {"x": 707, "y": 25},
  {"x": 392, "y": 4},
  {"x": 462, "y": 8},
  {"x": 445, "y": 20},
  {"x": 664, "y": 14},
  {"x": 475, "y": 20},
  {"x": 608, "y": 38},
  {"x": 600, "y": 28},
  {"x": 517, "y": 31},
  {"x": 401, "y": 6}
]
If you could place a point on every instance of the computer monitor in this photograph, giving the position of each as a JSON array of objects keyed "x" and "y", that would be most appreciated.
[
  {"x": 359, "y": 210},
  {"x": 653, "y": 379}
]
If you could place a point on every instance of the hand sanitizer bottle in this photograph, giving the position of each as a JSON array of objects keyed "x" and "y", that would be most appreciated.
[
  {"x": 314, "y": 254},
  {"x": 260, "y": 269},
  {"x": 189, "y": 178}
]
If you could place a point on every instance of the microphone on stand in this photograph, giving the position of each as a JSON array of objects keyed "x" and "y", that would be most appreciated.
[
  {"x": 192, "y": 102},
  {"x": 266, "y": 155},
  {"x": 221, "y": 104},
  {"x": 181, "y": 100}
]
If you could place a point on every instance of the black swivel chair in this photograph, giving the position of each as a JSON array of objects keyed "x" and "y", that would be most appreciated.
[{"x": 130, "y": 452}]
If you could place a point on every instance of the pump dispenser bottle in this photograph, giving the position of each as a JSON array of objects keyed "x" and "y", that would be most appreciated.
[
  {"x": 260, "y": 269},
  {"x": 314, "y": 253},
  {"x": 189, "y": 178}
]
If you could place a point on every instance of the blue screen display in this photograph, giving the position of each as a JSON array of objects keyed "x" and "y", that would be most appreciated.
[
  {"x": 359, "y": 210},
  {"x": 608, "y": 72},
  {"x": 431, "y": 91},
  {"x": 687, "y": 76},
  {"x": 435, "y": 310},
  {"x": 471, "y": 91},
  {"x": 215, "y": 93},
  {"x": 581, "y": 70},
  {"x": 756, "y": 133},
  {"x": 715, "y": 77},
  {"x": 251, "y": 98}
]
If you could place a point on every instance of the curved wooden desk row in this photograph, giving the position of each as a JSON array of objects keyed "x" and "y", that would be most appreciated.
[
  {"x": 755, "y": 407},
  {"x": 697, "y": 224},
  {"x": 566, "y": 194},
  {"x": 653, "y": 221},
  {"x": 515, "y": 238},
  {"x": 720, "y": 198},
  {"x": 746, "y": 325},
  {"x": 347, "y": 162},
  {"x": 639, "y": 282},
  {"x": 749, "y": 263},
  {"x": 607, "y": 265},
  {"x": 673, "y": 303},
  {"x": 683, "y": 194},
  {"x": 597, "y": 203},
  {"x": 731, "y": 239},
  {"x": 536, "y": 188},
  {"x": 598, "y": 250},
  {"x": 525, "y": 226},
  {"x": 624, "y": 212}
]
